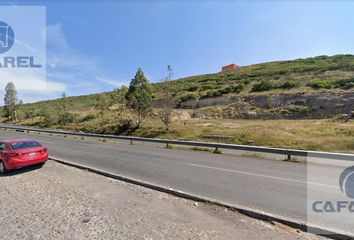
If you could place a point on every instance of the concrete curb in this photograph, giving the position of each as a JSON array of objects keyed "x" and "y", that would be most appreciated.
[{"x": 254, "y": 213}]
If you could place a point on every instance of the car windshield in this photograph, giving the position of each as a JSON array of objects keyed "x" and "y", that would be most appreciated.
[{"x": 22, "y": 145}]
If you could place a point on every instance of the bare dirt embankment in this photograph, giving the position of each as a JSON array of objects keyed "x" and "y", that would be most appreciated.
[
  {"x": 298, "y": 105},
  {"x": 60, "y": 202}
]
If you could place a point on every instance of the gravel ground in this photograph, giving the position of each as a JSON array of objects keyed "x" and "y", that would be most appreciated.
[{"x": 61, "y": 202}]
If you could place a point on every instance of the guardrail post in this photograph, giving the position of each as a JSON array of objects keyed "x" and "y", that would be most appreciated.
[
  {"x": 167, "y": 146},
  {"x": 131, "y": 141},
  {"x": 216, "y": 150},
  {"x": 289, "y": 157}
]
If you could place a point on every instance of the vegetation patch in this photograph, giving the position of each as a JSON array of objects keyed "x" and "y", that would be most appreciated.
[
  {"x": 290, "y": 109},
  {"x": 342, "y": 83},
  {"x": 86, "y": 118}
]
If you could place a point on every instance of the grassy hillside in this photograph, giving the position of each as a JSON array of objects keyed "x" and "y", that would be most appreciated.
[
  {"x": 310, "y": 74},
  {"x": 335, "y": 73}
]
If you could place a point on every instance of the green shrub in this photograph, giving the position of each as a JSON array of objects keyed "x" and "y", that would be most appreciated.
[
  {"x": 262, "y": 86},
  {"x": 65, "y": 118},
  {"x": 123, "y": 126},
  {"x": 321, "y": 84},
  {"x": 193, "y": 88},
  {"x": 246, "y": 82},
  {"x": 188, "y": 96},
  {"x": 20, "y": 115},
  {"x": 212, "y": 93},
  {"x": 218, "y": 93},
  {"x": 30, "y": 113},
  {"x": 288, "y": 85},
  {"x": 234, "y": 78},
  {"x": 344, "y": 83},
  {"x": 226, "y": 90},
  {"x": 208, "y": 86},
  {"x": 238, "y": 88},
  {"x": 86, "y": 118},
  {"x": 48, "y": 118}
]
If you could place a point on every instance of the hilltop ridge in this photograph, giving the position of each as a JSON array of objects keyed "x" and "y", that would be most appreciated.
[{"x": 309, "y": 75}]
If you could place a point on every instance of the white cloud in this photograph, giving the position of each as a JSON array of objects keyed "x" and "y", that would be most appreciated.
[
  {"x": 67, "y": 70},
  {"x": 60, "y": 54},
  {"x": 23, "y": 80},
  {"x": 76, "y": 80},
  {"x": 110, "y": 81},
  {"x": 29, "y": 81},
  {"x": 77, "y": 21},
  {"x": 31, "y": 86},
  {"x": 54, "y": 87},
  {"x": 73, "y": 67},
  {"x": 55, "y": 37}
]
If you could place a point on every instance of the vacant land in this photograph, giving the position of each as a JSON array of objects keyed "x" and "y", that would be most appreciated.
[
  {"x": 309, "y": 134},
  {"x": 60, "y": 202},
  {"x": 319, "y": 134}
]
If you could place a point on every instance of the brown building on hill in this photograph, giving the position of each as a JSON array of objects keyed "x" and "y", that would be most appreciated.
[{"x": 228, "y": 67}]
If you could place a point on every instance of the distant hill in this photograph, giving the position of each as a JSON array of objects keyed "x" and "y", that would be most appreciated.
[{"x": 309, "y": 74}]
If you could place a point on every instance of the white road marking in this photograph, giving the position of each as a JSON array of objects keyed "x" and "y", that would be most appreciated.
[{"x": 264, "y": 176}]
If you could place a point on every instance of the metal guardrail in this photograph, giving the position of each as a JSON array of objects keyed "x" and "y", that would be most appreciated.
[{"x": 288, "y": 152}]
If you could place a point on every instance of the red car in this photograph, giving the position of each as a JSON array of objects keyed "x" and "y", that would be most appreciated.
[{"x": 21, "y": 153}]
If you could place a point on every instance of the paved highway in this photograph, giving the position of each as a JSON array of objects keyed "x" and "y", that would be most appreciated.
[{"x": 276, "y": 187}]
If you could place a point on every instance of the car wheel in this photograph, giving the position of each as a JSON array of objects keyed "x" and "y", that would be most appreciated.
[
  {"x": 2, "y": 168},
  {"x": 41, "y": 164}
]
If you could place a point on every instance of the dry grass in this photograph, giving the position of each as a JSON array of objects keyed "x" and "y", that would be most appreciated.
[
  {"x": 324, "y": 134},
  {"x": 321, "y": 134}
]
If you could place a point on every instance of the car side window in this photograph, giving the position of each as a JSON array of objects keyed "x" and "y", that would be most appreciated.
[{"x": 2, "y": 146}]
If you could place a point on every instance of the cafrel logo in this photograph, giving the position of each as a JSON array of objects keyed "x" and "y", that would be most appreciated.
[
  {"x": 7, "y": 37},
  {"x": 346, "y": 182}
]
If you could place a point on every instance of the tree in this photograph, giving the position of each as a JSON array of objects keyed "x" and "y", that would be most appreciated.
[
  {"x": 102, "y": 105},
  {"x": 64, "y": 117},
  {"x": 139, "y": 96},
  {"x": 11, "y": 101},
  {"x": 63, "y": 102},
  {"x": 120, "y": 103},
  {"x": 168, "y": 98}
]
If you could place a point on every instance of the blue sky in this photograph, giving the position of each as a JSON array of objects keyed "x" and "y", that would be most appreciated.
[{"x": 95, "y": 46}]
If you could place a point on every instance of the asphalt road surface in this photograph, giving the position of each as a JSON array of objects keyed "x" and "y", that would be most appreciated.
[{"x": 276, "y": 187}]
